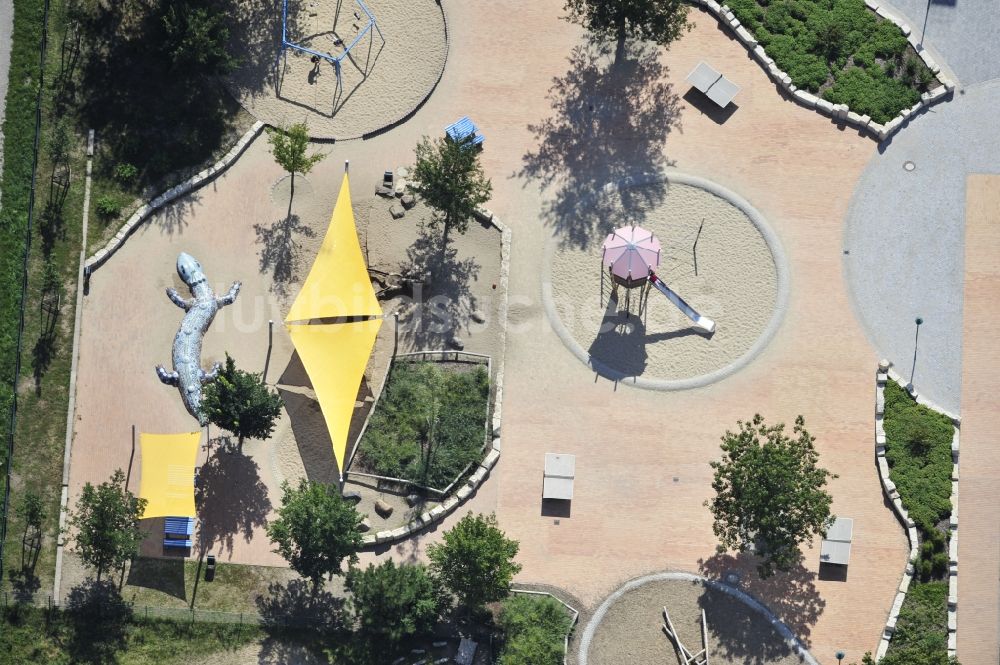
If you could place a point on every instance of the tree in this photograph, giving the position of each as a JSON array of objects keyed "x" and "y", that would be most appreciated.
[
  {"x": 450, "y": 179},
  {"x": 289, "y": 149},
  {"x": 196, "y": 38},
  {"x": 32, "y": 511},
  {"x": 661, "y": 21},
  {"x": 240, "y": 402},
  {"x": 316, "y": 530},
  {"x": 392, "y": 603},
  {"x": 476, "y": 561},
  {"x": 534, "y": 630},
  {"x": 769, "y": 493},
  {"x": 105, "y": 524}
]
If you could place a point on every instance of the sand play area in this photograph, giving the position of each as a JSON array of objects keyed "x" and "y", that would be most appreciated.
[
  {"x": 386, "y": 75},
  {"x": 631, "y": 629},
  {"x": 731, "y": 277}
]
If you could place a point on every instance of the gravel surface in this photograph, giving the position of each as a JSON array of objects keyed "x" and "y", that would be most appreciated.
[
  {"x": 631, "y": 630},
  {"x": 382, "y": 80},
  {"x": 735, "y": 285}
]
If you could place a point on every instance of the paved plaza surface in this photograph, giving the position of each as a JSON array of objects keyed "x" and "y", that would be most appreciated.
[
  {"x": 642, "y": 456},
  {"x": 979, "y": 468}
]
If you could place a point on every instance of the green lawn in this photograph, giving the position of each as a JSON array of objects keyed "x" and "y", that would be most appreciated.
[{"x": 840, "y": 50}]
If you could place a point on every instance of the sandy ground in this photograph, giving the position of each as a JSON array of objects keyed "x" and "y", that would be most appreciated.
[
  {"x": 631, "y": 631},
  {"x": 629, "y": 515},
  {"x": 736, "y": 286},
  {"x": 383, "y": 79}
]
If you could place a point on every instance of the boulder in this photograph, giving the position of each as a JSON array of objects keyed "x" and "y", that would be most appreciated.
[
  {"x": 456, "y": 343},
  {"x": 383, "y": 509},
  {"x": 364, "y": 526},
  {"x": 413, "y": 499},
  {"x": 396, "y": 212},
  {"x": 408, "y": 201},
  {"x": 478, "y": 316},
  {"x": 353, "y": 497}
]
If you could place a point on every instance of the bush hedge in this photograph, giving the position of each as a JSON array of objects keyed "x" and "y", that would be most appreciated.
[
  {"x": 535, "y": 629},
  {"x": 428, "y": 425},
  {"x": 840, "y": 50},
  {"x": 921, "y": 636}
]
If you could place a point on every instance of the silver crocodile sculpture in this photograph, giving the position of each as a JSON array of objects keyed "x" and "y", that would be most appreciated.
[{"x": 188, "y": 375}]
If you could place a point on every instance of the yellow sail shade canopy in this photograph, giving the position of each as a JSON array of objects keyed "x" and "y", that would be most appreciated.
[
  {"x": 335, "y": 358},
  {"x": 338, "y": 284},
  {"x": 167, "y": 480}
]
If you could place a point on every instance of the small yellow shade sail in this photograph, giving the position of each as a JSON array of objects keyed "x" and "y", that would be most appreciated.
[
  {"x": 167, "y": 481},
  {"x": 335, "y": 357},
  {"x": 338, "y": 284}
]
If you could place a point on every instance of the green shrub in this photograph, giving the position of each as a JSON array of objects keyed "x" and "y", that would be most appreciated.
[
  {"x": 428, "y": 425},
  {"x": 921, "y": 635},
  {"x": 534, "y": 628},
  {"x": 871, "y": 92},
  {"x": 918, "y": 450},
  {"x": 126, "y": 173},
  {"x": 108, "y": 206}
]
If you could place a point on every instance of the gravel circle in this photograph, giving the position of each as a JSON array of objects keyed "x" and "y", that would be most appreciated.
[
  {"x": 627, "y": 627},
  {"x": 740, "y": 282},
  {"x": 384, "y": 79}
]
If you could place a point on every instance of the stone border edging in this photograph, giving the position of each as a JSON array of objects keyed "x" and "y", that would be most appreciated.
[
  {"x": 790, "y": 639},
  {"x": 469, "y": 487},
  {"x": 573, "y": 610},
  {"x": 777, "y": 316},
  {"x": 885, "y": 374},
  {"x": 143, "y": 213},
  {"x": 839, "y": 112}
]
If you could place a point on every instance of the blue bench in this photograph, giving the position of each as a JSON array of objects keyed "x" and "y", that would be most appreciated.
[
  {"x": 178, "y": 526},
  {"x": 176, "y": 542},
  {"x": 463, "y": 128}
]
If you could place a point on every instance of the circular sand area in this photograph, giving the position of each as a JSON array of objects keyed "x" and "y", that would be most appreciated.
[
  {"x": 386, "y": 76},
  {"x": 735, "y": 276},
  {"x": 628, "y": 627}
]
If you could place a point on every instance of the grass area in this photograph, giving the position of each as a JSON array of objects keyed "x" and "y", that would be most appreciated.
[
  {"x": 841, "y": 50},
  {"x": 172, "y": 583},
  {"x": 921, "y": 636},
  {"x": 168, "y": 137},
  {"x": 429, "y": 424},
  {"x": 33, "y": 635},
  {"x": 918, "y": 450},
  {"x": 535, "y": 628}
]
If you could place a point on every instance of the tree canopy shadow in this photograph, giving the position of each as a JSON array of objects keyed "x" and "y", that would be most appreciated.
[
  {"x": 279, "y": 253},
  {"x": 440, "y": 309},
  {"x": 174, "y": 217},
  {"x": 315, "y": 616},
  {"x": 164, "y": 575},
  {"x": 100, "y": 618},
  {"x": 230, "y": 497},
  {"x": 609, "y": 126},
  {"x": 792, "y": 596}
]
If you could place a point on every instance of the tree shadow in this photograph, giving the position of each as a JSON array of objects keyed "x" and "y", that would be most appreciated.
[
  {"x": 792, "y": 596},
  {"x": 231, "y": 498},
  {"x": 609, "y": 127},
  {"x": 100, "y": 617},
  {"x": 279, "y": 253},
  {"x": 164, "y": 575},
  {"x": 297, "y": 605},
  {"x": 441, "y": 308},
  {"x": 174, "y": 217},
  {"x": 743, "y": 634}
]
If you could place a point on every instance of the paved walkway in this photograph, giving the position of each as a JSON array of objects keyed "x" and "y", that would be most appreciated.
[
  {"x": 6, "y": 25},
  {"x": 979, "y": 487},
  {"x": 905, "y": 234},
  {"x": 643, "y": 457}
]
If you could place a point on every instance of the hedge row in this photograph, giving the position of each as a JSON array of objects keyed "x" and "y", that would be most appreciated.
[{"x": 840, "y": 50}]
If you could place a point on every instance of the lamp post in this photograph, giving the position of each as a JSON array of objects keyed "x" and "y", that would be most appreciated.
[{"x": 840, "y": 656}]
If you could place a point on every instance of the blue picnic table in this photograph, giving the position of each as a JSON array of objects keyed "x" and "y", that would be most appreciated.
[{"x": 463, "y": 128}]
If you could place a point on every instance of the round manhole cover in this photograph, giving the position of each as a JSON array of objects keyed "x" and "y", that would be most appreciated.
[{"x": 909, "y": 166}]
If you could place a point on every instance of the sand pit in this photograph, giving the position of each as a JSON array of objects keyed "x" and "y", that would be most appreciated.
[
  {"x": 628, "y": 630},
  {"x": 384, "y": 78},
  {"x": 739, "y": 283}
]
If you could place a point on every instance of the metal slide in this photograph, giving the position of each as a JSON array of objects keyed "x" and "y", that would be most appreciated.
[{"x": 703, "y": 322}]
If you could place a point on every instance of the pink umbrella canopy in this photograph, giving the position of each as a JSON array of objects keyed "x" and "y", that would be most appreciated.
[{"x": 631, "y": 252}]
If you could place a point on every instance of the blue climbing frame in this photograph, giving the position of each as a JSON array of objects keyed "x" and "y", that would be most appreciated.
[{"x": 334, "y": 59}]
